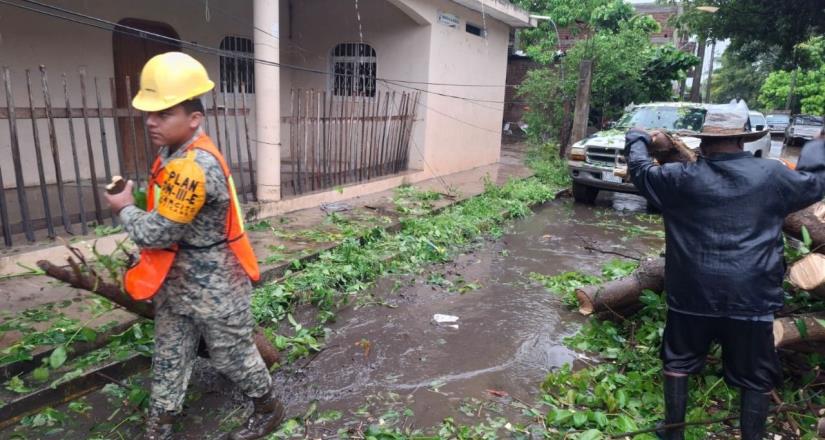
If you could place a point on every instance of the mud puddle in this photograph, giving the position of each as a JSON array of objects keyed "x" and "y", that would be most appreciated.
[{"x": 395, "y": 364}]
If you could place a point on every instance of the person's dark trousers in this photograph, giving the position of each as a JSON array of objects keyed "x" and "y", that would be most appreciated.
[
  {"x": 753, "y": 414},
  {"x": 676, "y": 395}
]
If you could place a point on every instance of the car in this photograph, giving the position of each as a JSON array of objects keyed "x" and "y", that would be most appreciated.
[
  {"x": 778, "y": 122},
  {"x": 597, "y": 162},
  {"x": 803, "y": 128},
  {"x": 762, "y": 146}
]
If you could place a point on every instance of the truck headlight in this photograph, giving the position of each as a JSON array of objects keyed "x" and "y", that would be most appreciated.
[{"x": 577, "y": 153}]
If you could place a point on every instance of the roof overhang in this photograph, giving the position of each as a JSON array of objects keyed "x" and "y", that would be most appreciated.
[{"x": 501, "y": 10}]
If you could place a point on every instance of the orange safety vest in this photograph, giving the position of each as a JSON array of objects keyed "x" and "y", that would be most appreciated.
[{"x": 144, "y": 279}]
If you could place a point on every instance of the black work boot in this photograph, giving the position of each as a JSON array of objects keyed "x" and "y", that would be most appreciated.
[
  {"x": 676, "y": 394},
  {"x": 159, "y": 426},
  {"x": 754, "y": 412},
  {"x": 267, "y": 416}
]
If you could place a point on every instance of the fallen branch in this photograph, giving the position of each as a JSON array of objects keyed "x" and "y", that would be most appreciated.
[{"x": 93, "y": 283}]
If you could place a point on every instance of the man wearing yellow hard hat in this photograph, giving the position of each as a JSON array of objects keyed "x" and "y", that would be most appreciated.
[{"x": 196, "y": 262}]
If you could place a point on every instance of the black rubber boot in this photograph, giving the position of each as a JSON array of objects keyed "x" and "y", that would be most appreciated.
[
  {"x": 676, "y": 394},
  {"x": 159, "y": 426},
  {"x": 268, "y": 415},
  {"x": 754, "y": 412}
]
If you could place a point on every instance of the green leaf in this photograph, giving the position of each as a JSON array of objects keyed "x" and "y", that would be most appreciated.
[
  {"x": 87, "y": 334},
  {"x": 802, "y": 327},
  {"x": 579, "y": 419},
  {"x": 820, "y": 321},
  {"x": 600, "y": 418},
  {"x": 806, "y": 237},
  {"x": 41, "y": 374},
  {"x": 591, "y": 434},
  {"x": 58, "y": 357},
  {"x": 17, "y": 385}
]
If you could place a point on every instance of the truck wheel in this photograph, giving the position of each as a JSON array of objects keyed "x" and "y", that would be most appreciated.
[{"x": 584, "y": 194}]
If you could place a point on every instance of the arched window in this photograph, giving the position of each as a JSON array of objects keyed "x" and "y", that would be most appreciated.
[
  {"x": 237, "y": 72},
  {"x": 354, "y": 67}
]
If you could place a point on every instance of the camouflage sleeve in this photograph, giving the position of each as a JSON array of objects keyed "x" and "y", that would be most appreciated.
[
  {"x": 150, "y": 229},
  {"x": 153, "y": 230}
]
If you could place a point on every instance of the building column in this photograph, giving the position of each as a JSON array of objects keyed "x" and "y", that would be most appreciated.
[{"x": 267, "y": 99}]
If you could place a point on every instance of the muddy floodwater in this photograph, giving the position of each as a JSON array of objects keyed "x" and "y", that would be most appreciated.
[
  {"x": 387, "y": 359},
  {"x": 509, "y": 330}
]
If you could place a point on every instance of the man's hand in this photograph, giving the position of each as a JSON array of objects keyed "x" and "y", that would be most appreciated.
[{"x": 122, "y": 199}]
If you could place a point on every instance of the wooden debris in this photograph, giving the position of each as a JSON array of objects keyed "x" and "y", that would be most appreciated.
[
  {"x": 809, "y": 274},
  {"x": 95, "y": 284},
  {"x": 670, "y": 148},
  {"x": 620, "y": 298},
  {"x": 795, "y": 330},
  {"x": 813, "y": 219}
]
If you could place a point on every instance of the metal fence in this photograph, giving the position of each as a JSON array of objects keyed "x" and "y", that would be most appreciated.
[
  {"x": 335, "y": 141},
  {"x": 79, "y": 145}
]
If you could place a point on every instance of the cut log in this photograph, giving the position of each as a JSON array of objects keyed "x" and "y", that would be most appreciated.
[
  {"x": 621, "y": 297},
  {"x": 813, "y": 218},
  {"x": 786, "y": 331},
  {"x": 114, "y": 293},
  {"x": 820, "y": 427},
  {"x": 809, "y": 274},
  {"x": 670, "y": 148}
]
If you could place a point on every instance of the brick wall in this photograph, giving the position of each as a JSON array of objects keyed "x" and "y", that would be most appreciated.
[{"x": 517, "y": 68}]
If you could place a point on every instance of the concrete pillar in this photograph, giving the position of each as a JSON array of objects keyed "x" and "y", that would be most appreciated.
[{"x": 267, "y": 99}]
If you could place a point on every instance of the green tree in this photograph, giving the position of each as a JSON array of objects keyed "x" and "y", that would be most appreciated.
[
  {"x": 809, "y": 90},
  {"x": 756, "y": 27},
  {"x": 739, "y": 78},
  {"x": 627, "y": 67}
]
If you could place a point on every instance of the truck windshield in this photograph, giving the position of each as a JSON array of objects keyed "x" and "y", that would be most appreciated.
[
  {"x": 778, "y": 119},
  {"x": 668, "y": 118}
]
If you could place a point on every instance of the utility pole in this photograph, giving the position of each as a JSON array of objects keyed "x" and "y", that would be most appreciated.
[
  {"x": 695, "y": 91},
  {"x": 582, "y": 109},
  {"x": 710, "y": 71}
]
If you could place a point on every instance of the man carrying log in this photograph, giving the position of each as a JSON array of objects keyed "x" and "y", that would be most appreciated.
[
  {"x": 196, "y": 261},
  {"x": 724, "y": 261}
]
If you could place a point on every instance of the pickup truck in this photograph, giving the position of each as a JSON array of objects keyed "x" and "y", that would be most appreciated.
[
  {"x": 597, "y": 162},
  {"x": 803, "y": 128}
]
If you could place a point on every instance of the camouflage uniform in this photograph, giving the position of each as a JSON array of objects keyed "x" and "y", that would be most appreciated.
[{"x": 206, "y": 293}]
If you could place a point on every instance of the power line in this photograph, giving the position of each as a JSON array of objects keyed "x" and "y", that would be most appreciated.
[{"x": 143, "y": 34}]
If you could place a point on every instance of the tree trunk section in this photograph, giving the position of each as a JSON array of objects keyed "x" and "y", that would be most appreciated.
[
  {"x": 620, "y": 298},
  {"x": 786, "y": 331},
  {"x": 813, "y": 218},
  {"x": 143, "y": 309},
  {"x": 809, "y": 274}
]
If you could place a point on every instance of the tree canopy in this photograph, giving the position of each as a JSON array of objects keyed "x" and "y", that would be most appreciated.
[
  {"x": 809, "y": 90},
  {"x": 755, "y": 27},
  {"x": 627, "y": 67}
]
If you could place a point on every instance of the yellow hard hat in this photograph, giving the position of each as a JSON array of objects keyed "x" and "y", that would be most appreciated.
[{"x": 169, "y": 79}]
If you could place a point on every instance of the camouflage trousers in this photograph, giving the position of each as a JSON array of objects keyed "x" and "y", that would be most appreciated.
[{"x": 231, "y": 350}]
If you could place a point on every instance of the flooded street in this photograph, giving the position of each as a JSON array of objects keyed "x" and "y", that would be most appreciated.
[{"x": 396, "y": 359}]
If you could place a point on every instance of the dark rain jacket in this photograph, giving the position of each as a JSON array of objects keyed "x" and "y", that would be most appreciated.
[{"x": 723, "y": 220}]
